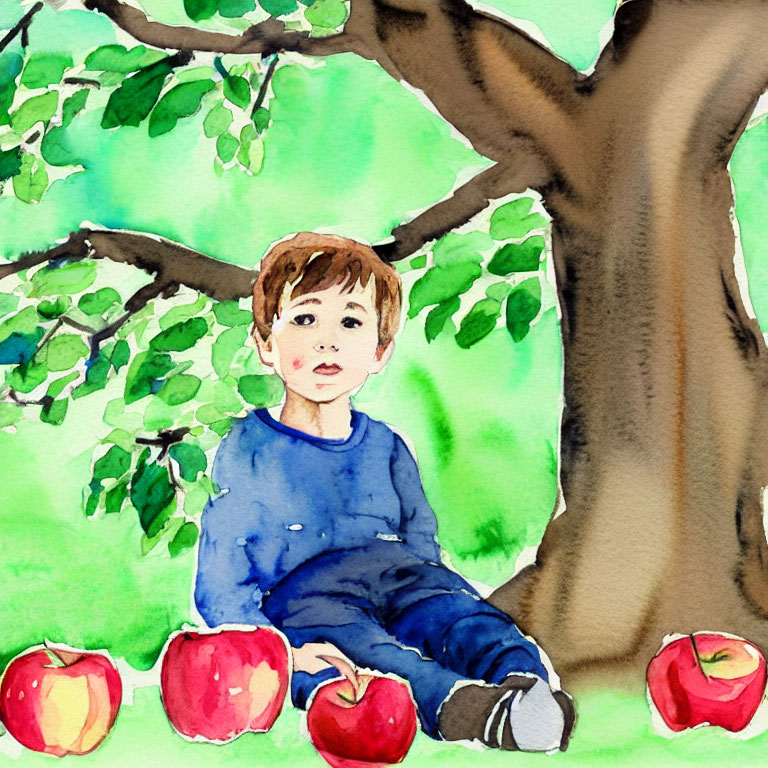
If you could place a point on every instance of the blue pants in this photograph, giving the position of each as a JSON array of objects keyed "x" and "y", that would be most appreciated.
[{"x": 387, "y": 610}]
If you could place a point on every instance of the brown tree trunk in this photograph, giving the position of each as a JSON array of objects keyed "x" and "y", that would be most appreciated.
[{"x": 663, "y": 462}]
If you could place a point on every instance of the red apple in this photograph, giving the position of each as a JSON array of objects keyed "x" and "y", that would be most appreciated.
[
  {"x": 217, "y": 684},
  {"x": 363, "y": 720},
  {"x": 707, "y": 679},
  {"x": 60, "y": 700}
]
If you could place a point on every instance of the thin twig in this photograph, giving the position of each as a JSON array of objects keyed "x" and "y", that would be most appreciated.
[
  {"x": 261, "y": 95},
  {"x": 165, "y": 439},
  {"x": 21, "y": 26},
  {"x": 82, "y": 81},
  {"x": 78, "y": 326},
  {"x": 49, "y": 335},
  {"x": 157, "y": 287}
]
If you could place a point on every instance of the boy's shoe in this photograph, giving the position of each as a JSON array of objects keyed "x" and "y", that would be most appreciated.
[{"x": 523, "y": 713}]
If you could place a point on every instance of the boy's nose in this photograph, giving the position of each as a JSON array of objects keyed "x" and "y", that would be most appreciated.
[{"x": 326, "y": 347}]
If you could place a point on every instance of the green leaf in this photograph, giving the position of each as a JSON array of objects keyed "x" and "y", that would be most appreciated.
[
  {"x": 251, "y": 153},
  {"x": 10, "y": 413},
  {"x": 233, "y": 9},
  {"x": 498, "y": 291},
  {"x": 95, "y": 377},
  {"x": 24, "y": 378},
  {"x": 191, "y": 460},
  {"x": 225, "y": 347},
  {"x": 93, "y": 499},
  {"x": 114, "y": 463},
  {"x": 457, "y": 248},
  {"x": 121, "y": 354},
  {"x": 523, "y": 304},
  {"x": 229, "y": 313},
  {"x": 44, "y": 69},
  {"x": 180, "y": 336},
  {"x": 418, "y": 262},
  {"x": 185, "y": 538},
  {"x": 152, "y": 494},
  {"x": 217, "y": 120},
  {"x": 261, "y": 118},
  {"x": 182, "y": 312},
  {"x": 524, "y": 257},
  {"x": 237, "y": 90},
  {"x": 70, "y": 278},
  {"x": 179, "y": 389},
  {"x": 221, "y": 427},
  {"x": 261, "y": 391},
  {"x": 22, "y": 322},
  {"x": 115, "y": 497},
  {"x": 63, "y": 351},
  {"x": 55, "y": 147},
  {"x": 73, "y": 105},
  {"x": 10, "y": 162},
  {"x": 54, "y": 412},
  {"x": 326, "y": 13},
  {"x": 226, "y": 146},
  {"x": 181, "y": 101},
  {"x": 31, "y": 181},
  {"x": 133, "y": 100},
  {"x": 442, "y": 283},
  {"x": 146, "y": 369},
  {"x": 10, "y": 66},
  {"x": 8, "y": 303},
  {"x": 438, "y": 316},
  {"x": 57, "y": 387},
  {"x": 35, "y": 110},
  {"x": 117, "y": 58},
  {"x": 279, "y": 7},
  {"x": 98, "y": 302},
  {"x": 478, "y": 322},
  {"x": 199, "y": 10},
  {"x": 512, "y": 220},
  {"x": 19, "y": 347}
]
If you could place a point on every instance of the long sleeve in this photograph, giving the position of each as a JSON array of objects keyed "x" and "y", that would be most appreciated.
[
  {"x": 418, "y": 525},
  {"x": 226, "y": 590}
]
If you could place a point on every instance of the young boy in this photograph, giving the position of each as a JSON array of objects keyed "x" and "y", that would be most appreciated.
[{"x": 323, "y": 529}]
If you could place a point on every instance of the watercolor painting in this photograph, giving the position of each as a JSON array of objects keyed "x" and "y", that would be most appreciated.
[{"x": 383, "y": 382}]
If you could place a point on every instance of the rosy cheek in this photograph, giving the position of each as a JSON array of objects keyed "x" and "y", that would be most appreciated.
[{"x": 297, "y": 363}]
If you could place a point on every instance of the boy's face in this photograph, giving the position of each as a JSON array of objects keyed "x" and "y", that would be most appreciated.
[{"x": 325, "y": 344}]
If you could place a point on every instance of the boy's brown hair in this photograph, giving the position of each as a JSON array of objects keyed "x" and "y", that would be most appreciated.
[{"x": 337, "y": 261}]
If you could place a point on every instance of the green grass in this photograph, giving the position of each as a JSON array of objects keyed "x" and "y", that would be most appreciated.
[{"x": 613, "y": 730}]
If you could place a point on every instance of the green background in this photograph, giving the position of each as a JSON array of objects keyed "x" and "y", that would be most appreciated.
[{"x": 350, "y": 151}]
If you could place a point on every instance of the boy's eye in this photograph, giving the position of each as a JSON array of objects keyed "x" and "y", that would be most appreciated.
[
  {"x": 351, "y": 322},
  {"x": 304, "y": 319}
]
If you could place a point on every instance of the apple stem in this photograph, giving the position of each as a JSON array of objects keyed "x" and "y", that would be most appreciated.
[
  {"x": 346, "y": 669},
  {"x": 54, "y": 657},
  {"x": 698, "y": 656}
]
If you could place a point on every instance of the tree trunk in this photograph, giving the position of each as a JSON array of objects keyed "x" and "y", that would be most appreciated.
[{"x": 665, "y": 380}]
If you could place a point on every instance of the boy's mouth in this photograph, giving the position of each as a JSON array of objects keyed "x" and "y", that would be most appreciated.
[{"x": 327, "y": 370}]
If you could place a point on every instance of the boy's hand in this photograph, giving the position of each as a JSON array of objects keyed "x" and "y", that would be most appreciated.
[{"x": 305, "y": 659}]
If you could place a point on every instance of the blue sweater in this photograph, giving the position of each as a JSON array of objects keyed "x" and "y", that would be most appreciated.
[{"x": 288, "y": 496}]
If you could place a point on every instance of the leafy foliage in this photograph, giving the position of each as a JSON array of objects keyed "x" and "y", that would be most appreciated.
[
  {"x": 41, "y": 95},
  {"x": 173, "y": 378},
  {"x": 463, "y": 270}
]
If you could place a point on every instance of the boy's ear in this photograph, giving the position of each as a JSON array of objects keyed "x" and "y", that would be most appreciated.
[
  {"x": 382, "y": 356},
  {"x": 266, "y": 354}
]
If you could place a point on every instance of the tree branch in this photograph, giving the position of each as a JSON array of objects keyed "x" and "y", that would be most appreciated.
[
  {"x": 465, "y": 202},
  {"x": 267, "y": 37},
  {"x": 173, "y": 264},
  {"x": 511, "y": 98},
  {"x": 21, "y": 26}
]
